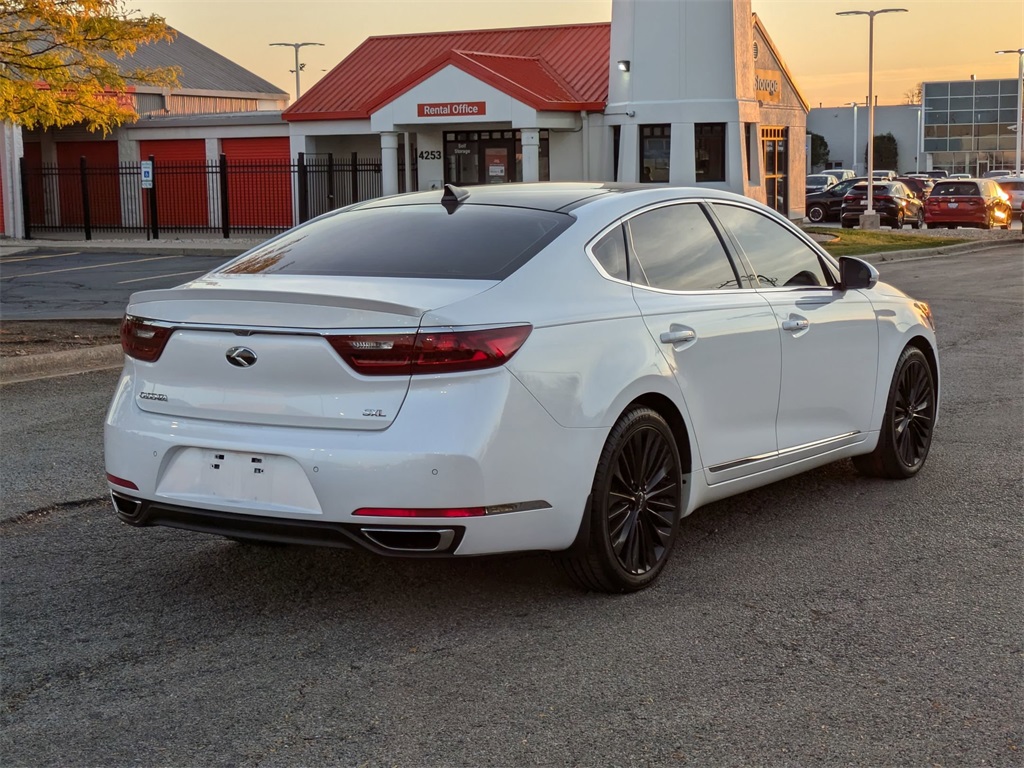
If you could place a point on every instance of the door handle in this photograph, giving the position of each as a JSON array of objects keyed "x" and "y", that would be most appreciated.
[
  {"x": 677, "y": 337},
  {"x": 795, "y": 325}
]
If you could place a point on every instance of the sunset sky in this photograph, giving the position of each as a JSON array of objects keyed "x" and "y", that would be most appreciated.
[{"x": 827, "y": 54}]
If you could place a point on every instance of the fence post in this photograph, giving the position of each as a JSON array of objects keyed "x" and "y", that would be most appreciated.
[
  {"x": 303, "y": 190},
  {"x": 26, "y": 213},
  {"x": 86, "y": 213},
  {"x": 154, "y": 227},
  {"x": 330, "y": 182},
  {"x": 355, "y": 177},
  {"x": 225, "y": 217}
]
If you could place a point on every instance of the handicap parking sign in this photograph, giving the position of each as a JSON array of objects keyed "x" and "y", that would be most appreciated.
[{"x": 147, "y": 173}]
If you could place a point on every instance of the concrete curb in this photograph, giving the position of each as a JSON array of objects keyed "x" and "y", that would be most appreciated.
[
  {"x": 19, "y": 369},
  {"x": 31, "y": 367}
]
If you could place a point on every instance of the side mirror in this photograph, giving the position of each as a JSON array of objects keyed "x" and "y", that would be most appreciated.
[{"x": 855, "y": 274}]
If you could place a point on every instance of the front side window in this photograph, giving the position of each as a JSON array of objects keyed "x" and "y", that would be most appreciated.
[
  {"x": 675, "y": 248},
  {"x": 778, "y": 257},
  {"x": 709, "y": 141},
  {"x": 655, "y": 152}
]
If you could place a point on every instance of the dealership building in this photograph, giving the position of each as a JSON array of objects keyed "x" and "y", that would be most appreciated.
[
  {"x": 684, "y": 92},
  {"x": 961, "y": 126}
]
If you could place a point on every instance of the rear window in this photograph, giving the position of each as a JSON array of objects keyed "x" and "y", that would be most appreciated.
[
  {"x": 475, "y": 242},
  {"x": 956, "y": 188},
  {"x": 1016, "y": 186}
]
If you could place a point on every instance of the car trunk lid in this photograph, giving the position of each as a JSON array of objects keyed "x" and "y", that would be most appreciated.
[{"x": 242, "y": 351}]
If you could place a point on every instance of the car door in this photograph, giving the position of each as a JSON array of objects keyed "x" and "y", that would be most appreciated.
[
  {"x": 721, "y": 340},
  {"x": 829, "y": 337}
]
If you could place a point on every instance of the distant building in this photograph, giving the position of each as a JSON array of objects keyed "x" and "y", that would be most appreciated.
[{"x": 963, "y": 126}]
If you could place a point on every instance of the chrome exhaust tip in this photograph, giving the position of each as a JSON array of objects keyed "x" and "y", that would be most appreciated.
[
  {"x": 125, "y": 506},
  {"x": 410, "y": 539}
]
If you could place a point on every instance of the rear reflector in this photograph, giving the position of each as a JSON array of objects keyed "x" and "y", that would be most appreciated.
[
  {"x": 115, "y": 480},
  {"x": 430, "y": 351},
  {"x": 143, "y": 340},
  {"x": 393, "y": 512}
]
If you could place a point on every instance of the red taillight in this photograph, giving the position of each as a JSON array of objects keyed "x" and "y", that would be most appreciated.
[
  {"x": 430, "y": 351},
  {"x": 115, "y": 480},
  {"x": 404, "y": 512},
  {"x": 143, "y": 340}
]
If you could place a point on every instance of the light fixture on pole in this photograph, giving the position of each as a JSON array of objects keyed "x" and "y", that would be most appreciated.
[
  {"x": 854, "y": 104},
  {"x": 1020, "y": 102},
  {"x": 870, "y": 211},
  {"x": 298, "y": 67}
]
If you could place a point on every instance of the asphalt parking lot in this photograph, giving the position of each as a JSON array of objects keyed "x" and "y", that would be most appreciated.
[
  {"x": 68, "y": 283},
  {"x": 824, "y": 620}
]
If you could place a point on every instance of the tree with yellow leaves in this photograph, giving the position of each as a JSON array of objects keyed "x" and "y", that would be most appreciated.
[{"x": 64, "y": 62}]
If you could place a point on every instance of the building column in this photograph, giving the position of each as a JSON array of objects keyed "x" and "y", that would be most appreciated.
[
  {"x": 389, "y": 163},
  {"x": 51, "y": 189},
  {"x": 531, "y": 154},
  {"x": 629, "y": 153},
  {"x": 130, "y": 188},
  {"x": 213, "y": 183},
  {"x": 298, "y": 142},
  {"x": 11, "y": 151},
  {"x": 682, "y": 164}
]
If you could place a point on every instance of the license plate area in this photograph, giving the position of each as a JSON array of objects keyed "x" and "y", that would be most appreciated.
[
  {"x": 952, "y": 205},
  {"x": 249, "y": 479}
]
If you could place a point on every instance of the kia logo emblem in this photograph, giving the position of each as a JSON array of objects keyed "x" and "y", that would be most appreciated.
[{"x": 242, "y": 357}]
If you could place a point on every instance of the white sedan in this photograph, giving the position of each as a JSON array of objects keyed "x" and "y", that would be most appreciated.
[{"x": 568, "y": 368}]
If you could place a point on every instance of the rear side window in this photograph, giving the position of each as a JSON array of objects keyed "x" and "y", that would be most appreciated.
[
  {"x": 1015, "y": 186},
  {"x": 475, "y": 242},
  {"x": 951, "y": 188},
  {"x": 677, "y": 249},
  {"x": 610, "y": 252}
]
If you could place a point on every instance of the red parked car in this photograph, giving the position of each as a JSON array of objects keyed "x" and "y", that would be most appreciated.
[{"x": 968, "y": 203}]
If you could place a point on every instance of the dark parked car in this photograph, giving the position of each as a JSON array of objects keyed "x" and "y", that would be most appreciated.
[
  {"x": 825, "y": 205},
  {"x": 893, "y": 202},
  {"x": 921, "y": 187},
  {"x": 968, "y": 203}
]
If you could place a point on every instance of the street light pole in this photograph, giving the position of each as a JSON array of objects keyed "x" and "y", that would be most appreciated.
[
  {"x": 867, "y": 218},
  {"x": 1020, "y": 101},
  {"x": 298, "y": 67}
]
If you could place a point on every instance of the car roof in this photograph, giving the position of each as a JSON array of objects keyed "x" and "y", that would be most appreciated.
[{"x": 549, "y": 196}]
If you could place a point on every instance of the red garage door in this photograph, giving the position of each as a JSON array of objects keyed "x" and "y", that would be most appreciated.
[
  {"x": 181, "y": 178},
  {"x": 104, "y": 183},
  {"x": 259, "y": 181}
]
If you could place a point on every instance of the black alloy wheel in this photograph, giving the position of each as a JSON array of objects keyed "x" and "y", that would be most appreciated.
[
  {"x": 906, "y": 434},
  {"x": 636, "y": 503},
  {"x": 899, "y": 220},
  {"x": 817, "y": 213},
  {"x": 918, "y": 223}
]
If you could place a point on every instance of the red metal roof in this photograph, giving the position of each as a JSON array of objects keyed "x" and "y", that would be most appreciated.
[{"x": 549, "y": 68}]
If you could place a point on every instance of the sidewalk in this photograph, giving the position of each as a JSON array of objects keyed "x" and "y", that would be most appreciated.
[
  {"x": 225, "y": 248},
  {"x": 32, "y": 367}
]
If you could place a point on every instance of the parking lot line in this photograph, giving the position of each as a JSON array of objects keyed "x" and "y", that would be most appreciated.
[
  {"x": 12, "y": 259},
  {"x": 159, "y": 277},
  {"x": 90, "y": 266}
]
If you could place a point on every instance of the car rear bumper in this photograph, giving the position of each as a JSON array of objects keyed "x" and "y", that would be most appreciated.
[
  {"x": 490, "y": 446},
  {"x": 960, "y": 216}
]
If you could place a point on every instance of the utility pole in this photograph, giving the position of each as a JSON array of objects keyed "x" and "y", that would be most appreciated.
[{"x": 298, "y": 67}]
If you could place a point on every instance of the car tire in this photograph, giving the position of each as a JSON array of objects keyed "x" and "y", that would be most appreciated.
[
  {"x": 817, "y": 214},
  {"x": 898, "y": 223},
  {"x": 918, "y": 223},
  {"x": 847, "y": 224},
  {"x": 635, "y": 507},
  {"x": 987, "y": 223},
  {"x": 906, "y": 434}
]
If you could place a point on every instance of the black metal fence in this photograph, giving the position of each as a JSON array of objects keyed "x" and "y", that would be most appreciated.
[{"x": 224, "y": 196}]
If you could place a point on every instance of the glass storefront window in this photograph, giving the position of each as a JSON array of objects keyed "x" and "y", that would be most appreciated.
[
  {"x": 709, "y": 142},
  {"x": 655, "y": 153},
  {"x": 490, "y": 157},
  {"x": 775, "y": 150}
]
